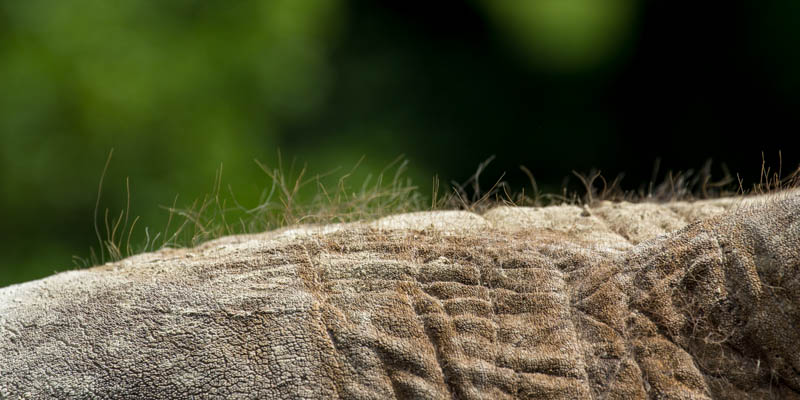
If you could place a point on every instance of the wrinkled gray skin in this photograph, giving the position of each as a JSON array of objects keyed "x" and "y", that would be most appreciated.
[{"x": 678, "y": 300}]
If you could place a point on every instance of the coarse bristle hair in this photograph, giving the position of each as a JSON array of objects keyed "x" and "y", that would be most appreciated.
[{"x": 335, "y": 199}]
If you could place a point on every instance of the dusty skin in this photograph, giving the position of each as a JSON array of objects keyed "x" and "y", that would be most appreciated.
[{"x": 616, "y": 301}]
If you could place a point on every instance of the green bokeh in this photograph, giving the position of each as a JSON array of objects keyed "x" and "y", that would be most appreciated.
[
  {"x": 565, "y": 35},
  {"x": 176, "y": 87},
  {"x": 180, "y": 87}
]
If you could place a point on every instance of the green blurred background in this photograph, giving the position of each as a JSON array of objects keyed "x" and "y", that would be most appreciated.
[{"x": 178, "y": 87}]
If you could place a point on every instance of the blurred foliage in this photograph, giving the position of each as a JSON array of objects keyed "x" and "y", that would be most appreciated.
[
  {"x": 566, "y": 34},
  {"x": 180, "y": 87}
]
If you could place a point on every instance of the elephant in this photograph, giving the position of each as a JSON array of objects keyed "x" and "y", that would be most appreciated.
[{"x": 612, "y": 300}]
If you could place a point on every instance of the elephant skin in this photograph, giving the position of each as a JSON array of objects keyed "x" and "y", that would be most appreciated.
[{"x": 680, "y": 300}]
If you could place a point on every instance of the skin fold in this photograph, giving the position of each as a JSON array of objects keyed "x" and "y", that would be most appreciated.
[{"x": 680, "y": 300}]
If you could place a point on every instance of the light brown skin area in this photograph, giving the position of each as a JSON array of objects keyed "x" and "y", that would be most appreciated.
[{"x": 678, "y": 300}]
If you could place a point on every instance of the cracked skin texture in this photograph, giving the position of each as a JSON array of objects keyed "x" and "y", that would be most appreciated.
[{"x": 617, "y": 301}]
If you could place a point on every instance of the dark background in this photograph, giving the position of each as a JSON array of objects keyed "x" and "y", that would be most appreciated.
[{"x": 178, "y": 87}]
